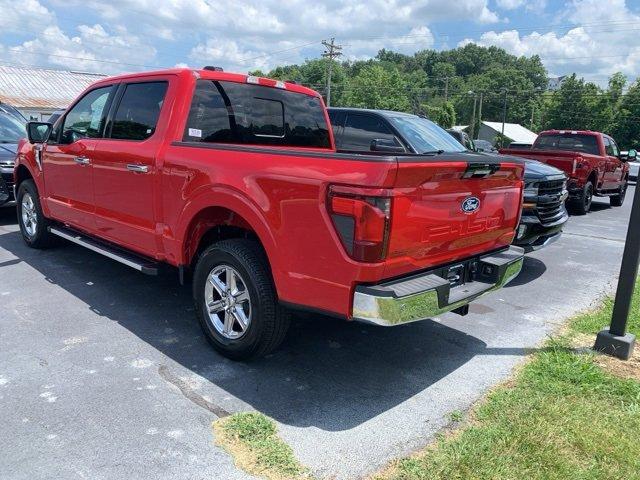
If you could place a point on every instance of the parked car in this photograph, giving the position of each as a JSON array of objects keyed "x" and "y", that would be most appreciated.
[
  {"x": 236, "y": 180},
  {"x": 463, "y": 138},
  {"x": 11, "y": 110},
  {"x": 634, "y": 164},
  {"x": 544, "y": 213},
  {"x": 591, "y": 160},
  {"x": 484, "y": 146},
  {"x": 11, "y": 131}
]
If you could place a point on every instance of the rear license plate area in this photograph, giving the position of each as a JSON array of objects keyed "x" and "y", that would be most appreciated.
[{"x": 457, "y": 274}]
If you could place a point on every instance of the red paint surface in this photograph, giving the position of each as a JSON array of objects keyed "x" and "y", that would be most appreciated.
[
  {"x": 282, "y": 198},
  {"x": 609, "y": 171}
]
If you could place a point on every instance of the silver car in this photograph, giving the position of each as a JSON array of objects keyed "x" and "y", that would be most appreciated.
[{"x": 634, "y": 163}]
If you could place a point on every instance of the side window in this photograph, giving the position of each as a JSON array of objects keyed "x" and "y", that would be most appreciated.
[
  {"x": 86, "y": 119},
  {"x": 614, "y": 148},
  {"x": 360, "y": 130},
  {"x": 239, "y": 113},
  {"x": 137, "y": 114},
  {"x": 337, "y": 120}
]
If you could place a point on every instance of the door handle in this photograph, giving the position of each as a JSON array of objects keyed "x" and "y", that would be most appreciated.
[
  {"x": 82, "y": 160},
  {"x": 132, "y": 167}
]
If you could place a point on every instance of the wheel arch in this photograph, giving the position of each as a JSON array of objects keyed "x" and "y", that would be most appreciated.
[
  {"x": 218, "y": 215},
  {"x": 21, "y": 174}
]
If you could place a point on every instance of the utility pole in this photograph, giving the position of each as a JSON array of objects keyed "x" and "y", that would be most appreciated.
[
  {"x": 473, "y": 115},
  {"x": 446, "y": 88},
  {"x": 533, "y": 106},
  {"x": 332, "y": 51},
  {"x": 479, "y": 116},
  {"x": 504, "y": 117}
]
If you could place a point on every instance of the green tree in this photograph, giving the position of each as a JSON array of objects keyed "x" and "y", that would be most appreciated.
[
  {"x": 378, "y": 87},
  {"x": 444, "y": 113},
  {"x": 627, "y": 127}
]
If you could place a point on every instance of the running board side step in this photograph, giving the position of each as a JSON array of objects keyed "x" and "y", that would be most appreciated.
[{"x": 148, "y": 267}]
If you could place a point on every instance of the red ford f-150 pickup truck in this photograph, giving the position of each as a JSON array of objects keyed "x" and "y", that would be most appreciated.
[
  {"x": 591, "y": 160},
  {"x": 235, "y": 179}
]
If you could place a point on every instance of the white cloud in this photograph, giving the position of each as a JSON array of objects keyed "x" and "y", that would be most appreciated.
[
  {"x": 604, "y": 40},
  {"x": 218, "y": 51},
  {"x": 27, "y": 15},
  {"x": 113, "y": 52},
  {"x": 510, "y": 4}
]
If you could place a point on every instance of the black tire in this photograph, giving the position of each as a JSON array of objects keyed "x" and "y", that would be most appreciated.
[
  {"x": 618, "y": 200},
  {"x": 269, "y": 321},
  {"x": 38, "y": 237},
  {"x": 582, "y": 204}
]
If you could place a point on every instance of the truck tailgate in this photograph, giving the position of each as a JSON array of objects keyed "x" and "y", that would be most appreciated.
[
  {"x": 561, "y": 159},
  {"x": 447, "y": 209}
]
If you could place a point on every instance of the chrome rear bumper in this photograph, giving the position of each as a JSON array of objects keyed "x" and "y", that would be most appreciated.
[{"x": 426, "y": 295}]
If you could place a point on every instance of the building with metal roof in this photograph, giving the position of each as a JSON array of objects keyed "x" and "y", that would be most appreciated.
[
  {"x": 513, "y": 131},
  {"x": 38, "y": 92}
]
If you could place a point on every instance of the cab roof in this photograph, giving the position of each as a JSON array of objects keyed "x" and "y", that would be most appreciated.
[{"x": 215, "y": 75}]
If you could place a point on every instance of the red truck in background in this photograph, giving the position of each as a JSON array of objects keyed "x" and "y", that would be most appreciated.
[
  {"x": 591, "y": 160},
  {"x": 235, "y": 179}
]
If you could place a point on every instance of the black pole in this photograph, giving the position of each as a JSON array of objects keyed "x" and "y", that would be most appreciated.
[{"x": 615, "y": 340}]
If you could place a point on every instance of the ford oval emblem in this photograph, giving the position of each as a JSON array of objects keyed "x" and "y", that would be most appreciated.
[{"x": 470, "y": 204}]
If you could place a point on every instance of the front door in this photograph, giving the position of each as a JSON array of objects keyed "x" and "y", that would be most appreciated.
[
  {"x": 125, "y": 170},
  {"x": 67, "y": 160}
]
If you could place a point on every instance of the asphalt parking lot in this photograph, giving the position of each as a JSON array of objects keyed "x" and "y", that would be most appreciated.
[{"x": 104, "y": 373}]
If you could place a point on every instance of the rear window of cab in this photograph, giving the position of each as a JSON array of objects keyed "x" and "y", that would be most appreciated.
[
  {"x": 246, "y": 114},
  {"x": 568, "y": 141}
]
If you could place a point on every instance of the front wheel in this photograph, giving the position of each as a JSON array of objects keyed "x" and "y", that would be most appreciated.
[
  {"x": 33, "y": 224},
  {"x": 618, "y": 200},
  {"x": 582, "y": 204},
  {"x": 236, "y": 302}
]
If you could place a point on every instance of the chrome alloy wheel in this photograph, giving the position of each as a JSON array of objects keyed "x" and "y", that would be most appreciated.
[
  {"x": 228, "y": 302},
  {"x": 29, "y": 215}
]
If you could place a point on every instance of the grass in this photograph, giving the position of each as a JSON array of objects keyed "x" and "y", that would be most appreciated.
[
  {"x": 592, "y": 322},
  {"x": 564, "y": 416},
  {"x": 251, "y": 438},
  {"x": 568, "y": 414}
]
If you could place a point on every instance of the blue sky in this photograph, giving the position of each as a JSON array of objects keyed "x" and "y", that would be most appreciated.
[{"x": 591, "y": 37}]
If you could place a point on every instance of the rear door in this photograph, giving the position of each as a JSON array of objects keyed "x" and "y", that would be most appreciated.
[
  {"x": 614, "y": 165},
  {"x": 67, "y": 159},
  {"x": 125, "y": 170}
]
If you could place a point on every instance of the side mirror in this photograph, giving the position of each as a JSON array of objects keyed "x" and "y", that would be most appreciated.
[
  {"x": 386, "y": 145},
  {"x": 38, "y": 132}
]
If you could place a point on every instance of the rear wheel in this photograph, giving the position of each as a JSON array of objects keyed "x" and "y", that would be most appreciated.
[
  {"x": 33, "y": 224},
  {"x": 618, "y": 200},
  {"x": 236, "y": 302},
  {"x": 582, "y": 204}
]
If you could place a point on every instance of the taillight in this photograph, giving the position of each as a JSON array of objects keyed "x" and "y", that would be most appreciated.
[
  {"x": 577, "y": 163},
  {"x": 362, "y": 221}
]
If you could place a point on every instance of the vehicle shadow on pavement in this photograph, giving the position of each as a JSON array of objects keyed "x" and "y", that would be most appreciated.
[
  {"x": 8, "y": 215},
  {"x": 532, "y": 269},
  {"x": 329, "y": 374}
]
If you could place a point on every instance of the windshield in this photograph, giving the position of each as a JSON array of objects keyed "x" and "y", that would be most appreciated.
[
  {"x": 11, "y": 129},
  {"x": 424, "y": 135},
  {"x": 568, "y": 141}
]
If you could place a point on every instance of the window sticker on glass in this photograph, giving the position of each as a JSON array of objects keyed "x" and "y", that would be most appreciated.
[
  {"x": 195, "y": 132},
  {"x": 96, "y": 112}
]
